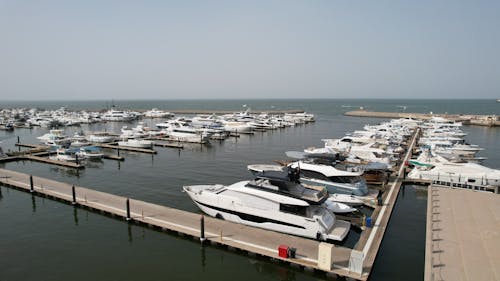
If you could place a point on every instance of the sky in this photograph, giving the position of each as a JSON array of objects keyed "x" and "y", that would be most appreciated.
[{"x": 249, "y": 49}]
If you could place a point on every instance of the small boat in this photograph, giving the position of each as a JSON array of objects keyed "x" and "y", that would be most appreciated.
[
  {"x": 90, "y": 152},
  {"x": 63, "y": 154},
  {"x": 339, "y": 208},
  {"x": 351, "y": 200}
]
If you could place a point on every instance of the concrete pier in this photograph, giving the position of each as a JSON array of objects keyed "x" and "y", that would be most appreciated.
[
  {"x": 466, "y": 119},
  {"x": 463, "y": 235}
]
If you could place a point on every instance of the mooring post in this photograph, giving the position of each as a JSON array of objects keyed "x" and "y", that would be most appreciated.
[
  {"x": 118, "y": 151},
  {"x": 18, "y": 140},
  {"x": 202, "y": 229},
  {"x": 31, "y": 184},
  {"x": 74, "y": 195},
  {"x": 128, "y": 210},
  {"x": 76, "y": 158}
]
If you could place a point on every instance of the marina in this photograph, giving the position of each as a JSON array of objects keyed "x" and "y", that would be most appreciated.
[
  {"x": 336, "y": 260},
  {"x": 254, "y": 240},
  {"x": 353, "y": 258}
]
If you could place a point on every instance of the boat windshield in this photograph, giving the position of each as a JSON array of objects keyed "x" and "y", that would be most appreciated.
[{"x": 313, "y": 195}]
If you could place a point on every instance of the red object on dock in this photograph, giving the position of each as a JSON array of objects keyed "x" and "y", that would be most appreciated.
[{"x": 283, "y": 251}]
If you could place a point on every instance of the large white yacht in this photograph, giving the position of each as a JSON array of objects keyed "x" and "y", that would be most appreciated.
[
  {"x": 156, "y": 113},
  {"x": 55, "y": 138},
  {"x": 463, "y": 175},
  {"x": 138, "y": 143},
  {"x": 117, "y": 115},
  {"x": 179, "y": 131},
  {"x": 259, "y": 204}
]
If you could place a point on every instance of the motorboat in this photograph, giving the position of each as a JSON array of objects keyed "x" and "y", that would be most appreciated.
[
  {"x": 138, "y": 143},
  {"x": 236, "y": 126},
  {"x": 156, "y": 113},
  {"x": 55, "y": 138},
  {"x": 90, "y": 152},
  {"x": 63, "y": 154},
  {"x": 117, "y": 115},
  {"x": 179, "y": 131},
  {"x": 351, "y": 200},
  {"x": 338, "y": 207},
  {"x": 462, "y": 175},
  {"x": 263, "y": 208},
  {"x": 101, "y": 137}
]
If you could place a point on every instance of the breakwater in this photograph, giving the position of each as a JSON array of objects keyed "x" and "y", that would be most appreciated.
[{"x": 466, "y": 119}]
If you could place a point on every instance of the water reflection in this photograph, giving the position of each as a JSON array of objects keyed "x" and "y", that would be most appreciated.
[
  {"x": 75, "y": 215},
  {"x": 33, "y": 203}
]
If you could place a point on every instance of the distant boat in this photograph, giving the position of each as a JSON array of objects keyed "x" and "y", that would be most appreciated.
[{"x": 498, "y": 100}]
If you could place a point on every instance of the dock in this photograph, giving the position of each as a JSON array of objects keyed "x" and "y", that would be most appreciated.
[
  {"x": 466, "y": 119},
  {"x": 354, "y": 263},
  {"x": 463, "y": 235},
  {"x": 125, "y": 148}
]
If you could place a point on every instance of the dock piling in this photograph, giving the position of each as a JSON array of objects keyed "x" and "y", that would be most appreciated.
[
  {"x": 18, "y": 140},
  {"x": 31, "y": 184},
  {"x": 128, "y": 210},
  {"x": 74, "y": 195},
  {"x": 202, "y": 229}
]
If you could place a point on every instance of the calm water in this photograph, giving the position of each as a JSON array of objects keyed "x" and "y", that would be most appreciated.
[{"x": 45, "y": 240}]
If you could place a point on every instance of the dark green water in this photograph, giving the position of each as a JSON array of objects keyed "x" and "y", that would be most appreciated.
[{"x": 45, "y": 240}]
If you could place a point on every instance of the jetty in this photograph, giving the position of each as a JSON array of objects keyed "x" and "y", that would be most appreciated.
[
  {"x": 463, "y": 235},
  {"x": 466, "y": 119}
]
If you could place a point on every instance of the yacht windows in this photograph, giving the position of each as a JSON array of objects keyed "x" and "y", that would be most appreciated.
[
  {"x": 314, "y": 175},
  {"x": 294, "y": 209}
]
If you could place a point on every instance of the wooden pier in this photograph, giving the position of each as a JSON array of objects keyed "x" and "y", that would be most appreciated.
[
  {"x": 355, "y": 263},
  {"x": 466, "y": 119},
  {"x": 463, "y": 235}
]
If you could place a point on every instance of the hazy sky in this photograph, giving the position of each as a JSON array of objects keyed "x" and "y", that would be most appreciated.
[{"x": 249, "y": 49}]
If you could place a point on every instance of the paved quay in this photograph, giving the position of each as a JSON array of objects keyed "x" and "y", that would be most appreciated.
[{"x": 463, "y": 235}]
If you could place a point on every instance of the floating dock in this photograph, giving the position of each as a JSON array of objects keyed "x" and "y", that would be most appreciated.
[
  {"x": 463, "y": 235},
  {"x": 125, "y": 148},
  {"x": 466, "y": 119},
  {"x": 354, "y": 263}
]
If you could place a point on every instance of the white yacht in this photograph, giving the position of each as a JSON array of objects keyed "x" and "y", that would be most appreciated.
[
  {"x": 156, "y": 113},
  {"x": 261, "y": 207},
  {"x": 236, "y": 126},
  {"x": 63, "y": 154},
  {"x": 178, "y": 131},
  {"x": 462, "y": 175},
  {"x": 90, "y": 152},
  {"x": 117, "y": 115},
  {"x": 138, "y": 143},
  {"x": 55, "y": 138},
  {"x": 101, "y": 137}
]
